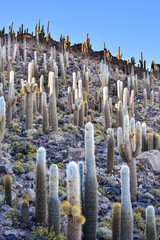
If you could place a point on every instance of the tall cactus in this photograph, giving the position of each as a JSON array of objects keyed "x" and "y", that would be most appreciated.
[
  {"x": 127, "y": 151},
  {"x": 72, "y": 207},
  {"x": 8, "y": 189},
  {"x": 2, "y": 121},
  {"x": 41, "y": 196},
  {"x": 81, "y": 175},
  {"x": 11, "y": 99},
  {"x": 116, "y": 221},
  {"x": 29, "y": 89},
  {"x": 54, "y": 204},
  {"x": 53, "y": 112},
  {"x": 126, "y": 207},
  {"x": 45, "y": 111},
  {"x": 110, "y": 150},
  {"x": 107, "y": 115},
  {"x": 91, "y": 198},
  {"x": 150, "y": 231}
]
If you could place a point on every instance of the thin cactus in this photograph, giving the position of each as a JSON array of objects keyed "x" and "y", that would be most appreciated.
[
  {"x": 8, "y": 189},
  {"x": 25, "y": 211},
  {"x": 41, "y": 196},
  {"x": 150, "y": 231},
  {"x": 110, "y": 150},
  {"x": 126, "y": 207},
  {"x": 2, "y": 121},
  {"x": 29, "y": 89},
  {"x": 54, "y": 203},
  {"x": 81, "y": 175},
  {"x": 116, "y": 221},
  {"x": 91, "y": 200}
]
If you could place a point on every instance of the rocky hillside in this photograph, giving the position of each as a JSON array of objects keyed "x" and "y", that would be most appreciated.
[{"x": 51, "y": 94}]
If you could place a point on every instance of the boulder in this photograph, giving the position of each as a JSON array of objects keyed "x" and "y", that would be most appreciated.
[
  {"x": 151, "y": 159},
  {"x": 76, "y": 153}
]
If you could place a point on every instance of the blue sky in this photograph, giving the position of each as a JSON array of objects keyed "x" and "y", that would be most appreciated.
[{"x": 133, "y": 25}]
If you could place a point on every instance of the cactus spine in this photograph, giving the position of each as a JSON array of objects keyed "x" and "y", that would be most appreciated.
[
  {"x": 116, "y": 221},
  {"x": 150, "y": 231},
  {"x": 8, "y": 189},
  {"x": 25, "y": 211},
  {"x": 126, "y": 207},
  {"x": 41, "y": 197},
  {"x": 54, "y": 204},
  {"x": 91, "y": 201}
]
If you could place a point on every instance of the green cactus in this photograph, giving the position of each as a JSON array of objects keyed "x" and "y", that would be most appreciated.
[
  {"x": 127, "y": 151},
  {"x": 29, "y": 89},
  {"x": 91, "y": 198},
  {"x": 41, "y": 196},
  {"x": 54, "y": 203},
  {"x": 126, "y": 207},
  {"x": 110, "y": 150},
  {"x": 150, "y": 231},
  {"x": 25, "y": 211},
  {"x": 116, "y": 221},
  {"x": 8, "y": 189}
]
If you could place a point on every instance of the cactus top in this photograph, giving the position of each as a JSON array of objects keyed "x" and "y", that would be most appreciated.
[
  {"x": 150, "y": 212},
  {"x": 41, "y": 157},
  {"x": 89, "y": 146},
  {"x": 125, "y": 183},
  {"x": 73, "y": 183},
  {"x": 54, "y": 179}
]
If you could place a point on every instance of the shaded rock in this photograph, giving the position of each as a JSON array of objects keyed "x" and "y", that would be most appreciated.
[
  {"x": 6, "y": 168},
  {"x": 152, "y": 159},
  {"x": 76, "y": 153},
  {"x": 58, "y": 138}
]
